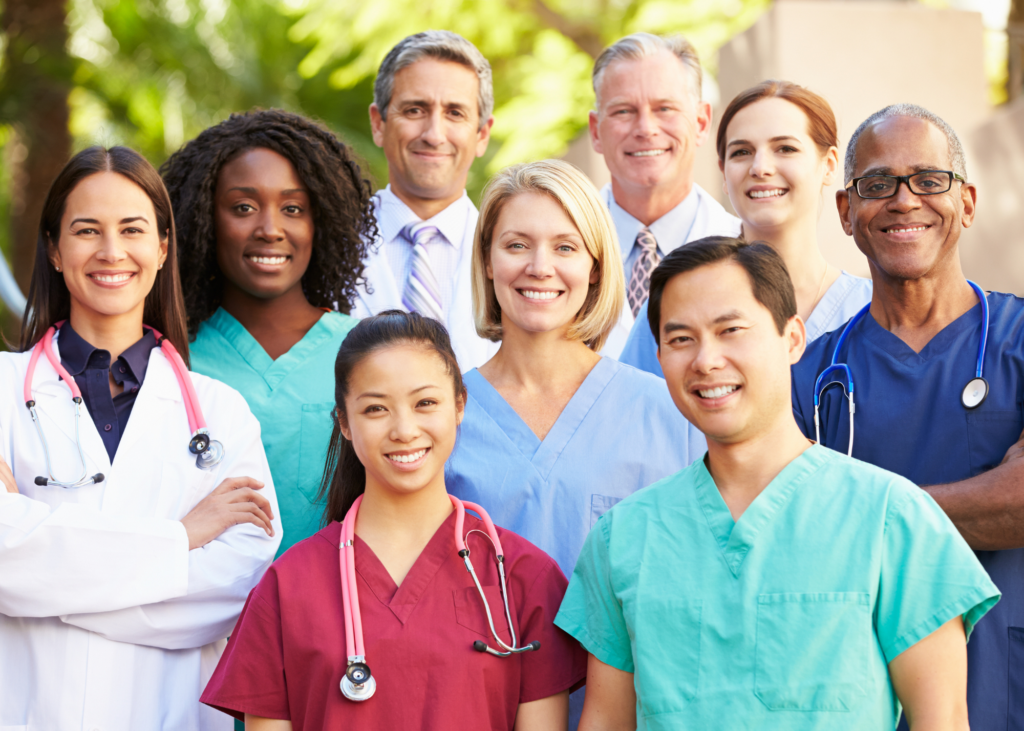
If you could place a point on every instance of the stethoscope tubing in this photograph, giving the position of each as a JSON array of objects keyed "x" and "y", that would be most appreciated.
[{"x": 848, "y": 387}]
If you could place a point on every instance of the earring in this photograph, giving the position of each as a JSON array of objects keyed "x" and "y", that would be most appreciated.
[
  {"x": 57, "y": 268},
  {"x": 159, "y": 266}
]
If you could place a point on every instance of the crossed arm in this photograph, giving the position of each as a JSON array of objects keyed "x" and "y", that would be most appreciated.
[
  {"x": 988, "y": 509},
  {"x": 930, "y": 679}
]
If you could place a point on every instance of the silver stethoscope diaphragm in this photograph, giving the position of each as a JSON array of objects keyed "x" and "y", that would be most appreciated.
[
  {"x": 974, "y": 393},
  {"x": 211, "y": 456}
]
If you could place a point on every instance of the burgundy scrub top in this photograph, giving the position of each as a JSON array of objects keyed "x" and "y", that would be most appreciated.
[{"x": 287, "y": 653}]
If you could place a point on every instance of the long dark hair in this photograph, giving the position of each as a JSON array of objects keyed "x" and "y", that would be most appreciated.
[
  {"x": 344, "y": 475},
  {"x": 344, "y": 223},
  {"x": 48, "y": 298}
]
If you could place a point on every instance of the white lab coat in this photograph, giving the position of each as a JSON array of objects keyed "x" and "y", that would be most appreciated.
[
  {"x": 107, "y": 620},
  {"x": 711, "y": 220},
  {"x": 470, "y": 349}
]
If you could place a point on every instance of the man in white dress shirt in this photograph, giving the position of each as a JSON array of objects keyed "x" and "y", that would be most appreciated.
[
  {"x": 648, "y": 123},
  {"x": 431, "y": 114}
]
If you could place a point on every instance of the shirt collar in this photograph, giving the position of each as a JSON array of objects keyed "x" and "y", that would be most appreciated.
[
  {"x": 78, "y": 355},
  {"x": 394, "y": 215},
  {"x": 670, "y": 231}
]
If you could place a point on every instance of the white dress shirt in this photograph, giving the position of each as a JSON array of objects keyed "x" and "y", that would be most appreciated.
[
  {"x": 390, "y": 260},
  {"x": 698, "y": 215}
]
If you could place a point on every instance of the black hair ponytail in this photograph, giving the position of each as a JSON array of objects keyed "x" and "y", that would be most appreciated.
[{"x": 344, "y": 476}]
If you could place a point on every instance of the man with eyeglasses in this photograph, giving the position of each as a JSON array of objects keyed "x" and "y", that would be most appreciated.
[{"x": 928, "y": 380}]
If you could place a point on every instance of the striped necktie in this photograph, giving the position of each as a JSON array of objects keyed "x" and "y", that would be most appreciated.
[
  {"x": 422, "y": 293},
  {"x": 640, "y": 277}
]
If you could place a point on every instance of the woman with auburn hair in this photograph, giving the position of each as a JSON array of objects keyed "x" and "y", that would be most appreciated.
[
  {"x": 274, "y": 216},
  {"x": 380, "y": 600},
  {"x": 138, "y": 509},
  {"x": 778, "y": 150},
  {"x": 554, "y": 433}
]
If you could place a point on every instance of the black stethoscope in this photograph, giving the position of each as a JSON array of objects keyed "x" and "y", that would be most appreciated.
[{"x": 972, "y": 397}]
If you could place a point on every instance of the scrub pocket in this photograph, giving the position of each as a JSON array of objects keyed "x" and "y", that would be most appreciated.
[
  {"x": 813, "y": 650},
  {"x": 1015, "y": 704},
  {"x": 599, "y": 505},
  {"x": 667, "y": 653},
  {"x": 989, "y": 435},
  {"x": 469, "y": 612},
  {"x": 314, "y": 439}
]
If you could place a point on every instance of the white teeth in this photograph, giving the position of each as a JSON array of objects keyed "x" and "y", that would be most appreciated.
[
  {"x": 767, "y": 193},
  {"x": 905, "y": 230},
  {"x": 112, "y": 278},
  {"x": 647, "y": 153},
  {"x": 535, "y": 295},
  {"x": 406, "y": 458},
  {"x": 268, "y": 259},
  {"x": 717, "y": 392}
]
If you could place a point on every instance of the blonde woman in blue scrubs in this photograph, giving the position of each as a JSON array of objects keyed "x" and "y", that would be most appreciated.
[{"x": 272, "y": 215}]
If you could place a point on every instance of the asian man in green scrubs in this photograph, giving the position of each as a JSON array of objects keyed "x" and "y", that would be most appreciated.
[{"x": 774, "y": 583}]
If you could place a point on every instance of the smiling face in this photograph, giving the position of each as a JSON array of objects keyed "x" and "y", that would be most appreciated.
[
  {"x": 402, "y": 416},
  {"x": 648, "y": 124},
  {"x": 264, "y": 224},
  {"x": 109, "y": 248},
  {"x": 539, "y": 264},
  {"x": 907, "y": 236},
  {"x": 725, "y": 363},
  {"x": 774, "y": 172},
  {"x": 432, "y": 133}
]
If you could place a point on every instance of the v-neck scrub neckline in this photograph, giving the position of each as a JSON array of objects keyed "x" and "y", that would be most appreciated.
[
  {"x": 292, "y": 397},
  {"x": 287, "y": 653}
]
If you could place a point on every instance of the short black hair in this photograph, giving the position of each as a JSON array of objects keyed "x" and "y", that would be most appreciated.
[
  {"x": 344, "y": 222},
  {"x": 769, "y": 277}
]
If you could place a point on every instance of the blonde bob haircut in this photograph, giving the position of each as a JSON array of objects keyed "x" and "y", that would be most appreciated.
[{"x": 571, "y": 189}]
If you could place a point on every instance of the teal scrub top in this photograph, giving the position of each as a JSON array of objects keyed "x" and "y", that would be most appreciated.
[
  {"x": 292, "y": 397},
  {"x": 787, "y": 618}
]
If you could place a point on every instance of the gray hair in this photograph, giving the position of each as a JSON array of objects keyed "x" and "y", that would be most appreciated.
[
  {"x": 444, "y": 46},
  {"x": 956, "y": 151},
  {"x": 644, "y": 45}
]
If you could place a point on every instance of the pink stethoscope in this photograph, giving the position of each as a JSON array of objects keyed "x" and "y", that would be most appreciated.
[
  {"x": 357, "y": 684},
  {"x": 208, "y": 452}
]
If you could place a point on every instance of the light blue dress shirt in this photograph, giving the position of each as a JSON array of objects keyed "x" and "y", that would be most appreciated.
[
  {"x": 618, "y": 433},
  {"x": 844, "y": 299}
]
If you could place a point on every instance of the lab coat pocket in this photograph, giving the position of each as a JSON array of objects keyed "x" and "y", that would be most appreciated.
[
  {"x": 1015, "y": 704},
  {"x": 989, "y": 435},
  {"x": 667, "y": 653},
  {"x": 813, "y": 650},
  {"x": 314, "y": 438},
  {"x": 469, "y": 611}
]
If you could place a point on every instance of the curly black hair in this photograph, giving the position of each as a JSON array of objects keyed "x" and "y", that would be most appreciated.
[{"x": 341, "y": 200}]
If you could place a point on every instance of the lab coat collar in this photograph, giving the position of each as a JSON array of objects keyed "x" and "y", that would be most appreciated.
[{"x": 394, "y": 215}]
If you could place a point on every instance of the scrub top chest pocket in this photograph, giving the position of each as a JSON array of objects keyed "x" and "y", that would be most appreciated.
[
  {"x": 314, "y": 439},
  {"x": 813, "y": 650}
]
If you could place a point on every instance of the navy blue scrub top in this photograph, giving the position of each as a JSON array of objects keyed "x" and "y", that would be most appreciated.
[
  {"x": 91, "y": 366},
  {"x": 910, "y": 420}
]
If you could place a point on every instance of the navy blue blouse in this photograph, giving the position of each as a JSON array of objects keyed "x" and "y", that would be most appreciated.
[{"x": 91, "y": 368}]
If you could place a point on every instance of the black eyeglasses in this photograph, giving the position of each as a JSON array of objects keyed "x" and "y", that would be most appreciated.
[{"x": 926, "y": 182}]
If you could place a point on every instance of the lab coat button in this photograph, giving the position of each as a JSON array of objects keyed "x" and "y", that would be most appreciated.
[{"x": 121, "y": 369}]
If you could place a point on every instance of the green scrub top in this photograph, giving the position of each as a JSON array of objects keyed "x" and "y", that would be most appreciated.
[
  {"x": 292, "y": 397},
  {"x": 787, "y": 618}
]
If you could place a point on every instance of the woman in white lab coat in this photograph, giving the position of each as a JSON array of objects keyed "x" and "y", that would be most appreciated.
[{"x": 116, "y": 595}]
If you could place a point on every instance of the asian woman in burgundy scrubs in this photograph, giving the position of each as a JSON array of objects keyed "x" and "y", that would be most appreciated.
[{"x": 400, "y": 398}]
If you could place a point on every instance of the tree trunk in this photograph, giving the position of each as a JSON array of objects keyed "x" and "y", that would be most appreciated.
[
  {"x": 34, "y": 99},
  {"x": 1015, "y": 51}
]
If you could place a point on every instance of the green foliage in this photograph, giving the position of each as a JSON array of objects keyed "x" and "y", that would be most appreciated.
[{"x": 153, "y": 73}]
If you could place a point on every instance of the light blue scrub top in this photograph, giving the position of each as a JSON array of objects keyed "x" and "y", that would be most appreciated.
[
  {"x": 619, "y": 432},
  {"x": 292, "y": 397},
  {"x": 786, "y": 619},
  {"x": 844, "y": 299},
  {"x": 909, "y": 419}
]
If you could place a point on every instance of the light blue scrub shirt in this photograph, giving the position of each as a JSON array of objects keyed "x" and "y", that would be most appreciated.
[
  {"x": 785, "y": 619},
  {"x": 619, "y": 432},
  {"x": 844, "y": 299},
  {"x": 292, "y": 397},
  {"x": 909, "y": 419}
]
